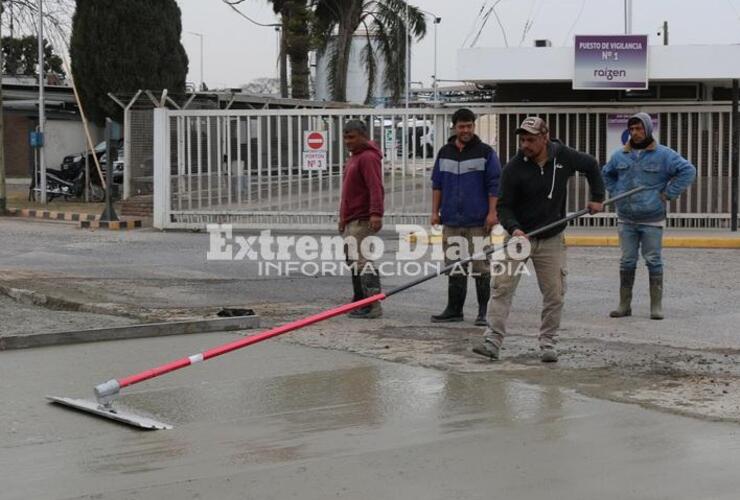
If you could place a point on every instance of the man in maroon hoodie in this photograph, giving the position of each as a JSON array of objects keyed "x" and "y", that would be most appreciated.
[{"x": 361, "y": 211}]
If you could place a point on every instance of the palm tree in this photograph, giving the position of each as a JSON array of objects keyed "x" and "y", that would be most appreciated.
[
  {"x": 296, "y": 17},
  {"x": 383, "y": 24},
  {"x": 296, "y": 42}
]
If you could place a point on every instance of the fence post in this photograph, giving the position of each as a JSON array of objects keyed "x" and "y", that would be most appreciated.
[
  {"x": 161, "y": 166},
  {"x": 126, "y": 141}
]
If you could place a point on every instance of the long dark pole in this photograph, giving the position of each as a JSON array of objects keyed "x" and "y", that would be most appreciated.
[
  {"x": 106, "y": 392},
  {"x": 735, "y": 161},
  {"x": 109, "y": 214},
  {"x": 565, "y": 220}
]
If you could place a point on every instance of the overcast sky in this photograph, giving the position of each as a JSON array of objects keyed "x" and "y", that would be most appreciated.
[{"x": 237, "y": 51}]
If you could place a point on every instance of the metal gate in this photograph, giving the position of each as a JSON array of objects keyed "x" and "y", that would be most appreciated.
[{"x": 244, "y": 167}]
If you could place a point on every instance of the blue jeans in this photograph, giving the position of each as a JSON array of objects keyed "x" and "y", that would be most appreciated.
[{"x": 632, "y": 237}]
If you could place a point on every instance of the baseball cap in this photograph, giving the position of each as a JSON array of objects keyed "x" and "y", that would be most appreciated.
[{"x": 532, "y": 125}]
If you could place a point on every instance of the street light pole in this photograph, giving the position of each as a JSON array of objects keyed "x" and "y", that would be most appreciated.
[
  {"x": 408, "y": 60},
  {"x": 200, "y": 35},
  {"x": 202, "y": 81},
  {"x": 42, "y": 102},
  {"x": 435, "y": 20}
]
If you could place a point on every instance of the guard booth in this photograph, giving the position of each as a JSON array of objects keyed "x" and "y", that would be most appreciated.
[{"x": 687, "y": 91}]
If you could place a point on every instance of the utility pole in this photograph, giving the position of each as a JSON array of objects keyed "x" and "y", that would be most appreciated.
[
  {"x": 109, "y": 213},
  {"x": 437, "y": 20},
  {"x": 42, "y": 103},
  {"x": 408, "y": 60},
  {"x": 627, "y": 17},
  {"x": 202, "y": 82},
  {"x": 200, "y": 35}
]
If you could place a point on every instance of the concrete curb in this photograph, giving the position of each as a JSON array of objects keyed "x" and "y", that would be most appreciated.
[
  {"x": 50, "y": 215},
  {"x": 85, "y": 221},
  {"x": 129, "y": 332},
  {"x": 613, "y": 241},
  {"x": 112, "y": 225},
  {"x": 668, "y": 241}
]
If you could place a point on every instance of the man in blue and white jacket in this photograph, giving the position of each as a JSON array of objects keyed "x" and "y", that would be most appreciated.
[
  {"x": 465, "y": 184},
  {"x": 644, "y": 162}
]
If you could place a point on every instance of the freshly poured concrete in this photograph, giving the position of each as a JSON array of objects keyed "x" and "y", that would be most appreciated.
[{"x": 278, "y": 421}]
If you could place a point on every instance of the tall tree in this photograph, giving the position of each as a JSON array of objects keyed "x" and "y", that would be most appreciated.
[
  {"x": 20, "y": 19},
  {"x": 21, "y": 57},
  {"x": 264, "y": 86},
  {"x": 121, "y": 46},
  {"x": 296, "y": 19},
  {"x": 383, "y": 24}
]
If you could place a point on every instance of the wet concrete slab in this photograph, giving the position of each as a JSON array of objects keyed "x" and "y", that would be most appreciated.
[{"x": 286, "y": 421}]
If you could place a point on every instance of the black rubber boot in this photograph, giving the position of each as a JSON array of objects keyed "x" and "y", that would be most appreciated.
[
  {"x": 370, "y": 286},
  {"x": 483, "y": 291},
  {"x": 656, "y": 296},
  {"x": 626, "y": 282},
  {"x": 457, "y": 289},
  {"x": 358, "y": 293}
]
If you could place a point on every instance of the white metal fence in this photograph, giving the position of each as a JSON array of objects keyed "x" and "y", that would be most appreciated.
[{"x": 245, "y": 166}]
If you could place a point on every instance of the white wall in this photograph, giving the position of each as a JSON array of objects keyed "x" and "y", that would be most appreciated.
[{"x": 65, "y": 137}]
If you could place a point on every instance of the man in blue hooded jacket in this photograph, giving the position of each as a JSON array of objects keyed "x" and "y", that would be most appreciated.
[{"x": 666, "y": 174}]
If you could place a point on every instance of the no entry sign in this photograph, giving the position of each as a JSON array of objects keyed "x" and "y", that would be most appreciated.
[
  {"x": 314, "y": 140},
  {"x": 314, "y": 150}
]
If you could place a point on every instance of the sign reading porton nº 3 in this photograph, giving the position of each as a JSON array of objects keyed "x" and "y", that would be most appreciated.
[{"x": 616, "y": 62}]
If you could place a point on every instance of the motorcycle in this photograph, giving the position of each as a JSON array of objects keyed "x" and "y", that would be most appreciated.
[{"x": 68, "y": 181}]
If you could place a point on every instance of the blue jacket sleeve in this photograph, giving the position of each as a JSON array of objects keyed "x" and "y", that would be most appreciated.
[
  {"x": 681, "y": 172},
  {"x": 436, "y": 176},
  {"x": 610, "y": 175},
  {"x": 493, "y": 173}
]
